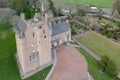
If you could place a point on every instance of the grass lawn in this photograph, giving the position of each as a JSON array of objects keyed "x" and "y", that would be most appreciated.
[
  {"x": 101, "y": 46},
  {"x": 94, "y": 69},
  {"x": 98, "y": 3},
  {"x": 8, "y": 66}
]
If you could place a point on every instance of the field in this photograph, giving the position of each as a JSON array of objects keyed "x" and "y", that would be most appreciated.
[
  {"x": 101, "y": 46},
  {"x": 94, "y": 68},
  {"x": 98, "y": 3},
  {"x": 8, "y": 66}
]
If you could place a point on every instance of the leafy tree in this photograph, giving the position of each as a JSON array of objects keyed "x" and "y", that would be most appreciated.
[
  {"x": 52, "y": 7},
  {"x": 29, "y": 13},
  {"x": 111, "y": 68},
  {"x": 19, "y": 5},
  {"x": 22, "y": 6},
  {"x": 108, "y": 65}
]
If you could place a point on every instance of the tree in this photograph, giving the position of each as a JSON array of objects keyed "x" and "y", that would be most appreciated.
[
  {"x": 29, "y": 13},
  {"x": 52, "y": 7},
  {"x": 116, "y": 5},
  {"x": 19, "y": 5},
  {"x": 108, "y": 65},
  {"x": 22, "y": 6}
]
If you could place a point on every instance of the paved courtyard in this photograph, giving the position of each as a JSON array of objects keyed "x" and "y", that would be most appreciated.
[{"x": 71, "y": 65}]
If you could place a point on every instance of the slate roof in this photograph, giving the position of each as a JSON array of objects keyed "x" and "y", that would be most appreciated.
[
  {"x": 20, "y": 28},
  {"x": 60, "y": 28}
]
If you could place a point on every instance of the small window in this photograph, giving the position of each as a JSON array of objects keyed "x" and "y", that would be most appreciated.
[
  {"x": 43, "y": 31},
  {"x": 30, "y": 58},
  {"x": 40, "y": 27},
  {"x": 34, "y": 56},
  {"x": 45, "y": 36},
  {"x": 33, "y": 34}
]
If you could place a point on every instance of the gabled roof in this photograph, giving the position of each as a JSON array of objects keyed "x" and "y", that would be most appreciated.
[{"x": 60, "y": 28}]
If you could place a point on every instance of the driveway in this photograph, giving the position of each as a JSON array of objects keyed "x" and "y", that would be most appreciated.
[{"x": 71, "y": 65}]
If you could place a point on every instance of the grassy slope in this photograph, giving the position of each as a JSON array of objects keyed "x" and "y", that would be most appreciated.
[
  {"x": 8, "y": 66},
  {"x": 94, "y": 69},
  {"x": 99, "y": 3},
  {"x": 102, "y": 47}
]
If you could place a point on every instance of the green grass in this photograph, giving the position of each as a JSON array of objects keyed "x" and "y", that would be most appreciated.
[
  {"x": 101, "y": 47},
  {"x": 98, "y": 3},
  {"x": 40, "y": 75},
  {"x": 8, "y": 66},
  {"x": 94, "y": 68}
]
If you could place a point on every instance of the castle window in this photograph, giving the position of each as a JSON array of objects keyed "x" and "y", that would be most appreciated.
[
  {"x": 40, "y": 27},
  {"x": 34, "y": 56},
  {"x": 45, "y": 36},
  {"x": 43, "y": 31},
  {"x": 33, "y": 34},
  {"x": 30, "y": 58}
]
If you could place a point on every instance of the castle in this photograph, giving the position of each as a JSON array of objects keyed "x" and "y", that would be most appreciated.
[{"x": 35, "y": 39}]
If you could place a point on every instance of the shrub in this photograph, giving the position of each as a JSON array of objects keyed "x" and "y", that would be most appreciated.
[
  {"x": 109, "y": 34},
  {"x": 103, "y": 32},
  {"x": 29, "y": 13}
]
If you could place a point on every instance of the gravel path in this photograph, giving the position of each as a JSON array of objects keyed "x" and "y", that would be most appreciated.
[{"x": 71, "y": 65}]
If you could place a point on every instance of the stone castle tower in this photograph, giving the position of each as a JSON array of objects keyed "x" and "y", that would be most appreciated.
[{"x": 33, "y": 40}]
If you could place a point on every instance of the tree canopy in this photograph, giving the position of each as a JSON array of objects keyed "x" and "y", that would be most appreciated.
[
  {"x": 108, "y": 65},
  {"x": 19, "y": 5}
]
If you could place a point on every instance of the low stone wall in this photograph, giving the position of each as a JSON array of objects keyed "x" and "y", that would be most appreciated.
[{"x": 92, "y": 54}]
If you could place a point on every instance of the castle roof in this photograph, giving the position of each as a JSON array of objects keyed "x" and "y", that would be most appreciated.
[
  {"x": 20, "y": 28},
  {"x": 60, "y": 28}
]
